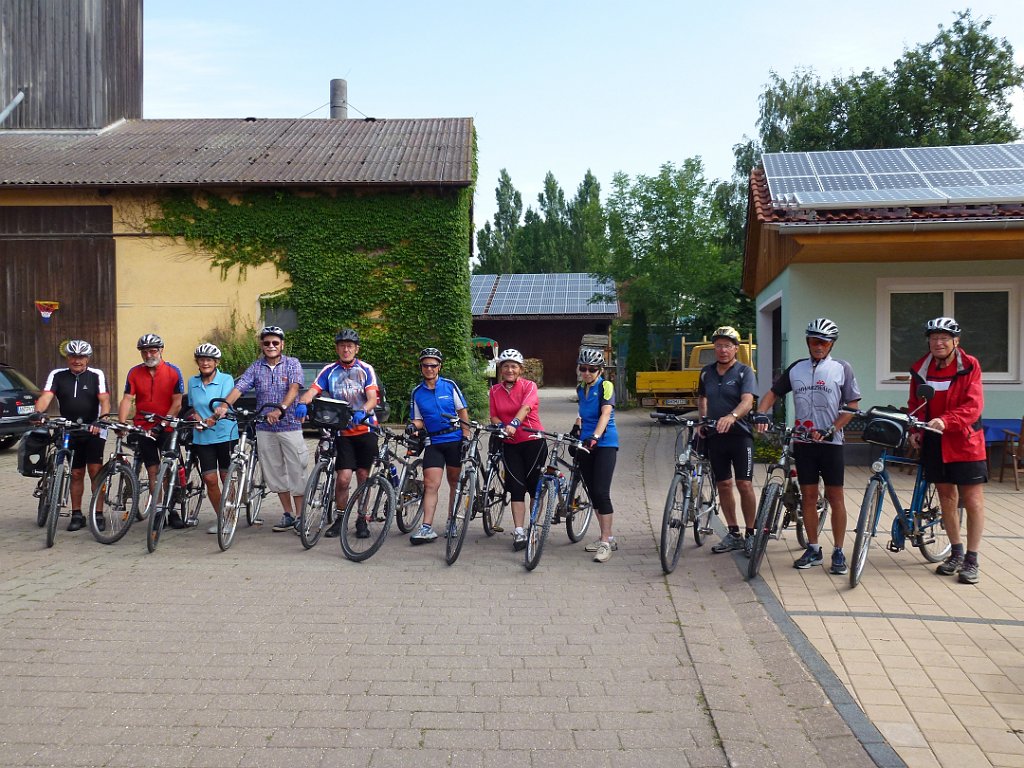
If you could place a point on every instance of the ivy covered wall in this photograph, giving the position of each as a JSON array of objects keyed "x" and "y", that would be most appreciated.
[{"x": 394, "y": 265}]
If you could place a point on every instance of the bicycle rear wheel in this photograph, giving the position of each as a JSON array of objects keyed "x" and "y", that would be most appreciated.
[
  {"x": 822, "y": 505},
  {"x": 493, "y": 499},
  {"x": 54, "y": 498},
  {"x": 317, "y": 505},
  {"x": 870, "y": 509},
  {"x": 540, "y": 523},
  {"x": 410, "y": 497},
  {"x": 43, "y": 489},
  {"x": 461, "y": 514},
  {"x": 230, "y": 502},
  {"x": 674, "y": 522},
  {"x": 161, "y": 504},
  {"x": 768, "y": 510},
  {"x": 706, "y": 501},
  {"x": 932, "y": 536},
  {"x": 117, "y": 487},
  {"x": 257, "y": 492},
  {"x": 374, "y": 503},
  {"x": 579, "y": 510},
  {"x": 194, "y": 493}
]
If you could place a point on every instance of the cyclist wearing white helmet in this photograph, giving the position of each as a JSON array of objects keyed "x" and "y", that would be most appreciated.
[
  {"x": 354, "y": 381},
  {"x": 81, "y": 394},
  {"x": 214, "y": 444},
  {"x": 432, "y": 404},
  {"x": 154, "y": 386},
  {"x": 955, "y": 460},
  {"x": 596, "y": 424},
  {"x": 821, "y": 385},
  {"x": 515, "y": 403},
  {"x": 276, "y": 378},
  {"x": 725, "y": 391}
]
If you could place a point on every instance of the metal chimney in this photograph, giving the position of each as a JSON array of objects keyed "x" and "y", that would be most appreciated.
[{"x": 339, "y": 99}]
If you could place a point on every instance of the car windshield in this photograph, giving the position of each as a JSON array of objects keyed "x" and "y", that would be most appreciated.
[{"x": 11, "y": 379}]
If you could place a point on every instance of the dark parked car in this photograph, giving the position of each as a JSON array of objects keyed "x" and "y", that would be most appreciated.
[{"x": 17, "y": 398}]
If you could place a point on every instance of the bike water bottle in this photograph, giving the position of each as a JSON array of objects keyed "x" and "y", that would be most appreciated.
[
  {"x": 181, "y": 477},
  {"x": 393, "y": 474}
]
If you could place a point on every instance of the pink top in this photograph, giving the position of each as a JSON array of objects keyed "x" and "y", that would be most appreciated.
[{"x": 505, "y": 405}]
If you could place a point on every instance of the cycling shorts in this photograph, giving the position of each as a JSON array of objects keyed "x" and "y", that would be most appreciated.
[
  {"x": 356, "y": 451},
  {"x": 819, "y": 460},
  {"x": 955, "y": 472},
  {"x": 214, "y": 456},
  {"x": 442, "y": 455},
  {"x": 729, "y": 452},
  {"x": 88, "y": 449}
]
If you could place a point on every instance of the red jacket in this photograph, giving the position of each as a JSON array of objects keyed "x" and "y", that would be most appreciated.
[{"x": 964, "y": 436}]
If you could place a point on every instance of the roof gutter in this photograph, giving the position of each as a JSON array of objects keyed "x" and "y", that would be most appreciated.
[
  {"x": 917, "y": 226},
  {"x": 14, "y": 103}
]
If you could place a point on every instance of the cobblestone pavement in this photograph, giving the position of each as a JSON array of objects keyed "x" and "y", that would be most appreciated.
[{"x": 271, "y": 655}]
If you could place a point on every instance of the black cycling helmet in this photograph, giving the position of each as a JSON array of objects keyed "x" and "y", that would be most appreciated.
[
  {"x": 346, "y": 334},
  {"x": 149, "y": 341},
  {"x": 431, "y": 352},
  {"x": 271, "y": 330},
  {"x": 942, "y": 325}
]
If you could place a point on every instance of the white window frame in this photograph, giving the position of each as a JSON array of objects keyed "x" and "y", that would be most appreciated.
[{"x": 947, "y": 286}]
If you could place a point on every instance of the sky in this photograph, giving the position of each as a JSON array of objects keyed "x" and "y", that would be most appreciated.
[{"x": 551, "y": 86}]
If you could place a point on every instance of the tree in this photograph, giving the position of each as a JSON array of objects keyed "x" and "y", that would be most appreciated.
[
  {"x": 496, "y": 245},
  {"x": 588, "y": 227}
]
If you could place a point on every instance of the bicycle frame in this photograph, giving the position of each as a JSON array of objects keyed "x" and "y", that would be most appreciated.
[{"x": 903, "y": 520}]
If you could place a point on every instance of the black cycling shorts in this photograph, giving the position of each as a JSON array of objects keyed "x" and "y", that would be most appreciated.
[
  {"x": 728, "y": 452},
  {"x": 955, "y": 472},
  {"x": 214, "y": 456},
  {"x": 443, "y": 455},
  {"x": 149, "y": 449},
  {"x": 819, "y": 460},
  {"x": 87, "y": 448},
  {"x": 356, "y": 451}
]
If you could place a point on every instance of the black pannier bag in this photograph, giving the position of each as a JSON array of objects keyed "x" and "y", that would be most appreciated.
[
  {"x": 886, "y": 427},
  {"x": 32, "y": 453},
  {"x": 329, "y": 413}
]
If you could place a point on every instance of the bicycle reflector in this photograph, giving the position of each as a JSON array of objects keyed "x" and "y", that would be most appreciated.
[
  {"x": 887, "y": 428},
  {"x": 329, "y": 413}
]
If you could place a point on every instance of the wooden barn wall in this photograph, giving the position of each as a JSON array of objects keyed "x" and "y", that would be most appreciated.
[
  {"x": 80, "y": 60},
  {"x": 555, "y": 342},
  {"x": 63, "y": 254}
]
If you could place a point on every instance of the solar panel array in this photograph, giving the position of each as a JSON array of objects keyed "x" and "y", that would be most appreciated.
[
  {"x": 564, "y": 294},
  {"x": 912, "y": 177}
]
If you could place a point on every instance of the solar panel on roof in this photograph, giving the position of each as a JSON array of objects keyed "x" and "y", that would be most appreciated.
[
  {"x": 885, "y": 161},
  {"x": 848, "y": 181},
  {"x": 987, "y": 156},
  {"x": 935, "y": 159},
  {"x": 1005, "y": 176},
  {"x": 952, "y": 179},
  {"x": 898, "y": 180},
  {"x": 788, "y": 164},
  {"x": 835, "y": 163}
]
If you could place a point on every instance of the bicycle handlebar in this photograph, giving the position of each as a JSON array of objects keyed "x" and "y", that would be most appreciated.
[
  {"x": 675, "y": 418},
  {"x": 912, "y": 421},
  {"x": 244, "y": 414}
]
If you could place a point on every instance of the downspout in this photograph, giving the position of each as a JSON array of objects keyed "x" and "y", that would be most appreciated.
[{"x": 14, "y": 103}]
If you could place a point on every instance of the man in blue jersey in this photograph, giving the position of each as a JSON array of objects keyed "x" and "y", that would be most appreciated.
[
  {"x": 355, "y": 382},
  {"x": 435, "y": 400},
  {"x": 821, "y": 385}
]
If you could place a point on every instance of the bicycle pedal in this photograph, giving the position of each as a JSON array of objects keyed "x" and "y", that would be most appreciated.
[
  {"x": 497, "y": 529},
  {"x": 892, "y": 546},
  {"x": 257, "y": 521}
]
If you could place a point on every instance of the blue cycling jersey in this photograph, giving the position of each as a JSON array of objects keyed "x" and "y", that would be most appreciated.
[
  {"x": 435, "y": 407},
  {"x": 592, "y": 398}
]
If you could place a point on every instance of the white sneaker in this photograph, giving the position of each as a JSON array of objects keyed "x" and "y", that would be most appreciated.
[
  {"x": 212, "y": 529},
  {"x": 592, "y": 546},
  {"x": 604, "y": 552}
]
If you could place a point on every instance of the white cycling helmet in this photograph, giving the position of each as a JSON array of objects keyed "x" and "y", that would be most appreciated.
[
  {"x": 726, "y": 332},
  {"x": 822, "y": 328},
  {"x": 272, "y": 330},
  {"x": 149, "y": 341},
  {"x": 78, "y": 347},
  {"x": 942, "y": 325},
  {"x": 207, "y": 350},
  {"x": 510, "y": 355},
  {"x": 590, "y": 356}
]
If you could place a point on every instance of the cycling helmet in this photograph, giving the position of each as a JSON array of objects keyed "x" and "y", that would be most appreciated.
[
  {"x": 207, "y": 350},
  {"x": 431, "y": 352},
  {"x": 78, "y": 347},
  {"x": 272, "y": 330},
  {"x": 346, "y": 334},
  {"x": 150, "y": 341},
  {"x": 942, "y": 325},
  {"x": 822, "y": 328},
  {"x": 510, "y": 355},
  {"x": 591, "y": 357},
  {"x": 726, "y": 332}
]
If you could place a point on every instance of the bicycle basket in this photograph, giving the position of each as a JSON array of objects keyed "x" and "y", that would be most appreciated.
[
  {"x": 32, "y": 453},
  {"x": 886, "y": 428},
  {"x": 328, "y": 413}
]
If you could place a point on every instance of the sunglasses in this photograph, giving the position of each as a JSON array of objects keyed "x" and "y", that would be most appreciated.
[
  {"x": 430, "y": 365},
  {"x": 271, "y": 343},
  {"x": 589, "y": 369}
]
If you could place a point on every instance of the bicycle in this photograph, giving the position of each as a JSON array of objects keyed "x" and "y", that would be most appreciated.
[
  {"x": 116, "y": 488},
  {"x": 921, "y": 522},
  {"x": 492, "y": 495},
  {"x": 54, "y": 487},
  {"x": 780, "y": 504},
  {"x": 574, "y": 503},
  {"x": 692, "y": 496},
  {"x": 245, "y": 484},
  {"x": 546, "y": 495},
  {"x": 179, "y": 482}
]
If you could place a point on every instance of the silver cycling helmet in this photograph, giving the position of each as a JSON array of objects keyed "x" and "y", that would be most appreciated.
[
  {"x": 726, "y": 332},
  {"x": 149, "y": 341},
  {"x": 822, "y": 328},
  {"x": 510, "y": 355},
  {"x": 207, "y": 350},
  {"x": 78, "y": 347},
  {"x": 594, "y": 357},
  {"x": 942, "y": 325},
  {"x": 431, "y": 352},
  {"x": 272, "y": 330}
]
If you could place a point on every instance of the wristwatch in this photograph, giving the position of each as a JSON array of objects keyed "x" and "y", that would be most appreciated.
[{"x": 734, "y": 415}]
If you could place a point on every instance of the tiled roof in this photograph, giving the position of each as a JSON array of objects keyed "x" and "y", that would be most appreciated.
[
  {"x": 243, "y": 151},
  {"x": 765, "y": 213}
]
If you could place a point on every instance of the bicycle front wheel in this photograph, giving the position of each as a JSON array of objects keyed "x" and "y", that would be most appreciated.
[
  {"x": 194, "y": 493},
  {"x": 410, "y": 497},
  {"x": 706, "y": 501},
  {"x": 43, "y": 489},
  {"x": 367, "y": 518},
  {"x": 493, "y": 499},
  {"x": 54, "y": 497},
  {"x": 932, "y": 536},
  {"x": 161, "y": 503},
  {"x": 579, "y": 510},
  {"x": 870, "y": 509},
  {"x": 674, "y": 522},
  {"x": 768, "y": 510},
  {"x": 822, "y": 506},
  {"x": 230, "y": 502},
  {"x": 540, "y": 523},
  {"x": 118, "y": 489},
  {"x": 257, "y": 492},
  {"x": 461, "y": 514},
  {"x": 317, "y": 505}
]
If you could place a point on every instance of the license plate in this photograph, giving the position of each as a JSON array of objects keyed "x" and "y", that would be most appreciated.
[
  {"x": 675, "y": 401},
  {"x": 24, "y": 410}
]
